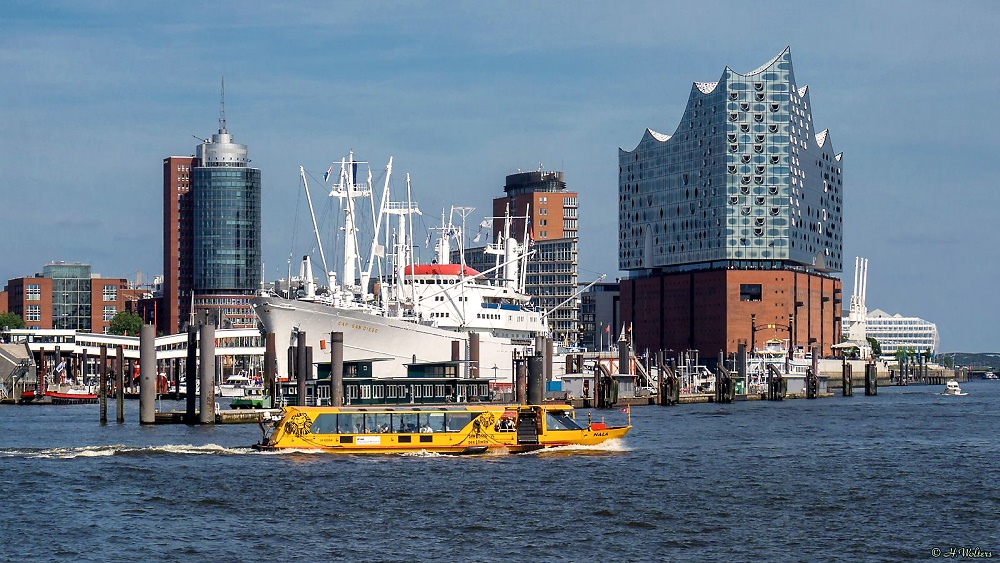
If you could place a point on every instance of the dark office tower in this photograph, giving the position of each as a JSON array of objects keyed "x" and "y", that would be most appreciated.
[
  {"x": 226, "y": 216},
  {"x": 736, "y": 218},
  {"x": 178, "y": 233}
]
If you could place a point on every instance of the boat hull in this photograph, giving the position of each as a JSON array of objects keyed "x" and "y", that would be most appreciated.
[{"x": 392, "y": 342}]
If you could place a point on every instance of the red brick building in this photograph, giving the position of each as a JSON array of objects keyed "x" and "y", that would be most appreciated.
[
  {"x": 711, "y": 310},
  {"x": 178, "y": 237},
  {"x": 67, "y": 296}
]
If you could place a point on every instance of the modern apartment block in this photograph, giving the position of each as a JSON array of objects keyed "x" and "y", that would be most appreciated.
[
  {"x": 211, "y": 234},
  {"x": 736, "y": 215},
  {"x": 68, "y": 296}
]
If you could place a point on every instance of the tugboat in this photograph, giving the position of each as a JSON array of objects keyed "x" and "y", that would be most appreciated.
[{"x": 444, "y": 429}]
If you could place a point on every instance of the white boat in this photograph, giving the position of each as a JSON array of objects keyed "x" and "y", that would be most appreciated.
[
  {"x": 952, "y": 388},
  {"x": 235, "y": 386},
  {"x": 412, "y": 312},
  {"x": 773, "y": 356}
]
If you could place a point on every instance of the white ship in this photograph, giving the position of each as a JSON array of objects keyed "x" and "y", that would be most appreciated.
[{"x": 410, "y": 312}]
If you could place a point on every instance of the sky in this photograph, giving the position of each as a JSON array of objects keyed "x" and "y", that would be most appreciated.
[{"x": 94, "y": 95}]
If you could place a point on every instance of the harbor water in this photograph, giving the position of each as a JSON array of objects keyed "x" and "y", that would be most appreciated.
[{"x": 891, "y": 477}]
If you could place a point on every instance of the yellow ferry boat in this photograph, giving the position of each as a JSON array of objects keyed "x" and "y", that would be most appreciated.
[{"x": 447, "y": 429}]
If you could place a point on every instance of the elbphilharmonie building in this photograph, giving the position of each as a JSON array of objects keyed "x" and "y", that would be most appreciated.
[{"x": 746, "y": 195}]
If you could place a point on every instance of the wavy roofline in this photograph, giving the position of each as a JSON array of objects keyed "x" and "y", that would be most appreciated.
[
  {"x": 648, "y": 133},
  {"x": 764, "y": 66}
]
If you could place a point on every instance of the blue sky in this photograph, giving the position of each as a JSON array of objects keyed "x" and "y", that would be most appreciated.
[{"x": 94, "y": 95}]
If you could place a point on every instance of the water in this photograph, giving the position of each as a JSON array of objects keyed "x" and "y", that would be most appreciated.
[{"x": 875, "y": 478}]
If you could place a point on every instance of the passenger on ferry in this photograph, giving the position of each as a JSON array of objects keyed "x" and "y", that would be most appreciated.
[{"x": 426, "y": 429}]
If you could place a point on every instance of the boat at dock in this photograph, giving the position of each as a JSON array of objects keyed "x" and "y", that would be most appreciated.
[
  {"x": 60, "y": 395},
  {"x": 235, "y": 386},
  {"x": 444, "y": 429},
  {"x": 254, "y": 397},
  {"x": 393, "y": 310}
]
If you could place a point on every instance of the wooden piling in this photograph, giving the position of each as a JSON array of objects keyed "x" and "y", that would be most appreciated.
[{"x": 846, "y": 379}]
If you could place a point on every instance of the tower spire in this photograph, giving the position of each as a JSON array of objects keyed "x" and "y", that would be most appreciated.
[{"x": 222, "y": 111}]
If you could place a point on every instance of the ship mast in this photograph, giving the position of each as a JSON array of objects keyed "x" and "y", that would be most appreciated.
[
  {"x": 330, "y": 276},
  {"x": 346, "y": 188}
]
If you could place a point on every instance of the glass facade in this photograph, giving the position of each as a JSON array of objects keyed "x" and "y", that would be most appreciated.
[
  {"x": 226, "y": 219},
  {"x": 70, "y": 295},
  {"x": 745, "y": 181}
]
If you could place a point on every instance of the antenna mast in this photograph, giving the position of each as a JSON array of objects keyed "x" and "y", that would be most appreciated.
[{"x": 222, "y": 110}]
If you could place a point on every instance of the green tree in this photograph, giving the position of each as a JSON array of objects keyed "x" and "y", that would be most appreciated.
[
  {"x": 10, "y": 320},
  {"x": 125, "y": 323},
  {"x": 876, "y": 347}
]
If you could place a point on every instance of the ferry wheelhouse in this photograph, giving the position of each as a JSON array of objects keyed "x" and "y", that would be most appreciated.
[{"x": 445, "y": 429}]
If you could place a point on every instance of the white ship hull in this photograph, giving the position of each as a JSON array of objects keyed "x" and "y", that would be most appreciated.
[{"x": 369, "y": 336}]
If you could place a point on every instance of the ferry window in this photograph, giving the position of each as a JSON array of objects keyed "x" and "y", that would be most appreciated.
[
  {"x": 456, "y": 421},
  {"x": 559, "y": 420},
  {"x": 439, "y": 390},
  {"x": 437, "y": 422},
  {"x": 366, "y": 391},
  {"x": 750, "y": 292},
  {"x": 349, "y": 423},
  {"x": 378, "y": 422},
  {"x": 406, "y": 422},
  {"x": 324, "y": 424},
  {"x": 431, "y": 422}
]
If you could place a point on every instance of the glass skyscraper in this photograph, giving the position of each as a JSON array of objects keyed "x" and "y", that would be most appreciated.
[
  {"x": 226, "y": 250},
  {"x": 745, "y": 182}
]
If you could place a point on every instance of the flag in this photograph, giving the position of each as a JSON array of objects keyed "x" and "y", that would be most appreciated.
[
  {"x": 630, "y": 328},
  {"x": 61, "y": 366},
  {"x": 607, "y": 329},
  {"x": 326, "y": 175},
  {"x": 626, "y": 409}
]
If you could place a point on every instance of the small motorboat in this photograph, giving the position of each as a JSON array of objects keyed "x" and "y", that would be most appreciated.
[{"x": 952, "y": 388}]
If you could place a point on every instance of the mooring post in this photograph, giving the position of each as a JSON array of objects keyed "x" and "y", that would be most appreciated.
[
  {"x": 301, "y": 369},
  {"x": 206, "y": 367},
  {"x": 474, "y": 355},
  {"x": 337, "y": 368},
  {"x": 846, "y": 379},
  {"x": 548, "y": 361},
  {"x": 191, "y": 375},
  {"x": 102, "y": 384},
  {"x": 536, "y": 379},
  {"x": 521, "y": 379},
  {"x": 120, "y": 385},
  {"x": 270, "y": 364},
  {"x": 147, "y": 374}
]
